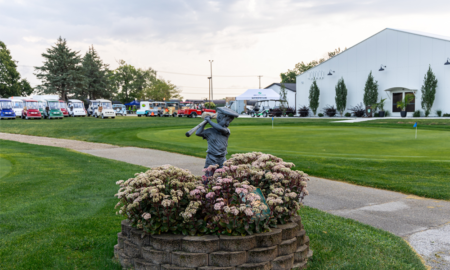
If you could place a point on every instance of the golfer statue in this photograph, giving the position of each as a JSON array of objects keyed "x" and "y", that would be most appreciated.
[{"x": 217, "y": 136}]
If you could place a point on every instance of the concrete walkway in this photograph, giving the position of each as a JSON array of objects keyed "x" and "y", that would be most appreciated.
[{"x": 424, "y": 223}]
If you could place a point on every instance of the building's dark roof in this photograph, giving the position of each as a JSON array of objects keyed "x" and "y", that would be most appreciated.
[{"x": 289, "y": 86}]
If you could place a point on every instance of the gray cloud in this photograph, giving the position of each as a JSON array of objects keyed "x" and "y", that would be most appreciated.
[{"x": 183, "y": 21}]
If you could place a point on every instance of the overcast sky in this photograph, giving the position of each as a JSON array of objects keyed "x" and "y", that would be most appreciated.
[{"x": 244, "y": 38}]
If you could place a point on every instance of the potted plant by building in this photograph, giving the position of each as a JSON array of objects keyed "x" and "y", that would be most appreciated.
[
  {"x": 402, "y": 104},
  {"x": 380, "y": 106}
]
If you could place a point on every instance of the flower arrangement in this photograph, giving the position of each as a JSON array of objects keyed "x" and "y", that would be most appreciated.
[{"x": 169, "y": 199}]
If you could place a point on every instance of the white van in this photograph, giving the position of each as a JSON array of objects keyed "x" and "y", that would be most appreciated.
[
  {"x": 76, "y": 108},
  {"x": 17, "y": 105},
  {"x": 104, "y": 109}
]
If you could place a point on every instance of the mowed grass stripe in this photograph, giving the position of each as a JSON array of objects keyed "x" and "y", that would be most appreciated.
[
  {"x": 58, "y": 213},
  {"x": 381, "y": 153}
]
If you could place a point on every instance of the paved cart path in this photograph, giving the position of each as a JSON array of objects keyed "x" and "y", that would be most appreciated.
[{"x": 424, "y": 223}]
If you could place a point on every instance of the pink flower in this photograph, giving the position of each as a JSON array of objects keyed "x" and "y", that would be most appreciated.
[
  {"x": 216, "y": 188},
  {"x": 146, "y": 216},
  {"x": 248, "y": 212},
  {"x": 210, "y": 195}
]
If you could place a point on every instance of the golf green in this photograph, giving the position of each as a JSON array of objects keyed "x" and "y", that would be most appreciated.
[{"x": 332, "y": 142}]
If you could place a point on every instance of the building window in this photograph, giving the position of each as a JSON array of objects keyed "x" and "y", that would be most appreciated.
[{"x": 397, "y": 97}]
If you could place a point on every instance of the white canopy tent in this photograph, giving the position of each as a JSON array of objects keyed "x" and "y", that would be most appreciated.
[{"x": 259, "y": 95}]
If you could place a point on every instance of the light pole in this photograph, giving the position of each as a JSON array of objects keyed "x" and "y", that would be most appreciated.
[
  {"x": 212, "y": 95},
  {"x": 209, "y": 84}
]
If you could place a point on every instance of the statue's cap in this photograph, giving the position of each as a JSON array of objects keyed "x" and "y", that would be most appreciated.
[{"x": 227, "y": 111}]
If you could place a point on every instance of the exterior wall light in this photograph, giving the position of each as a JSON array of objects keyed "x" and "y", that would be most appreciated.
[
  {"x": 382, "y": 68},
  {"x": 330, "y": 72},
  {"x": 448, "y": 61}
]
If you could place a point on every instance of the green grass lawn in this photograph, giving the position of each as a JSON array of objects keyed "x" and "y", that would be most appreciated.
[
  {"x": 381, "y": 153},
  {"x": 57, "y": 212}
]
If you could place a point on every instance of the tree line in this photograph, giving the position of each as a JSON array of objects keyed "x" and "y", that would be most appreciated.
[{"x": 66, "y": 73}]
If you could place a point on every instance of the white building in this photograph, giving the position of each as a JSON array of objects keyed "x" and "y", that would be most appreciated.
[
  {"x": 290, "y": 93},
  {"x": 398, "y": 60}
]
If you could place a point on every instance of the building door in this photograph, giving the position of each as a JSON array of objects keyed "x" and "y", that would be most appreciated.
[{"x": 396, "y": 97}]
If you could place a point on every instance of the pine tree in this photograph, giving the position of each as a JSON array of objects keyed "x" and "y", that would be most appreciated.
[
  {"x": 429, "y": 91},
  {"x": 10, "y": 82},
  {"x": 97, "y": 75},
  {"x": 314, "y": 94},
  {"x": 62, "y": 71},
  {"x": 370, "y": 91},
  {"x": 341, "y": 96}
]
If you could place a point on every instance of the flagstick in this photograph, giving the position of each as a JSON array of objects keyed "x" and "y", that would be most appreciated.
[
  {"x": 416, "y": 132},
  {"x": 272, "y": 122}
]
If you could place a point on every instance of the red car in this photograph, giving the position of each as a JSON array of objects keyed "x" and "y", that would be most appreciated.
[
  {"x": 30, "y": 109},
  {"x": 191, "y": 109},
  {"x": 63, "y": 108}
]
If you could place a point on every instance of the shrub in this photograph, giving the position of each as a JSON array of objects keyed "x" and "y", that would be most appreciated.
[
  {"x": 347, "y": 114},
  {"x": 446, "y": 115},
  {"x": 171, "y": 200},
  {"x": 376, "y": 114},
  {"x": 290, "y": 114},
  {"x": 290, "y": 110},
  {"x": 439, "y": 113},
  {"x": 329, "y": 110},
  {"x": 387, "y": 113},
  {"x": 162, "y": 193},
  {"x": 303, "y": 111},
  {"x": 358, "y": 110},
  {"x": 416, "y": 113},
  {"x": 210, "y": 105},
  {"x": 320, "y": 114},
  {"x": 276, "y": 112}
]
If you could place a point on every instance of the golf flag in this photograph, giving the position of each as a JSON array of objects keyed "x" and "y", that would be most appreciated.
[
  {"x": 415, "y": 125},
  {"x": 272, "y": 122}
]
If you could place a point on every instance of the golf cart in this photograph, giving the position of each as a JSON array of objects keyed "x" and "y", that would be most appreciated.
[
  {"x": 261, "y": 108},
  {"x": 76, "y": 108},
  {"x": 6, "y": 111},
  {"x": 171, "y": 108},
  {"x": 49, "y": 105},
  {"x": 31, "y": 109},
  {"x": 104, "y": 109},
  {"x": 63, "y": 108},
  {"x": 17, "y": 105},
  {"x": 93, "y": 104},
  {"x": 120, "y": 109}
]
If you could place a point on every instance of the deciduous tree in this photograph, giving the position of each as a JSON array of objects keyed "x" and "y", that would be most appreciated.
[
  {"x": 62, "y": 71},
  {"x": 161, "y": 89},
  {"x": 291, "y": 75},
  {"x": 429, "y": 91},
  {"x": 10, "y": 82}
]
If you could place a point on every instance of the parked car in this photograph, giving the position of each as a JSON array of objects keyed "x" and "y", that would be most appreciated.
[
  {"x": 191, "y": 109},
  {"x": 31, "y": 109},
  {"x": 63, "y": 108},
  {"x": 6, "y": 111},
  {"x": 17, "y": 105},
  {"x": 104, "y": 109},
  {"x": 76, "y": 108},
  {"x": 120, "y": 109}
]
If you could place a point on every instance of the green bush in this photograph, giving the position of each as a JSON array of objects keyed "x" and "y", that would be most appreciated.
[
  {"x": 387, "y": 113},
  {"x": 210, "y": 105},
  {"x": 416, "y": 113},
  {"x": 446, "y": 115},
  {"x": 347, "y": 114},
  {"x": 439, "y": 113},
  {"x": 167, "y": 199},
  {"x": 320, "y": 114},
  {"x": 376, "y": 115}
]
